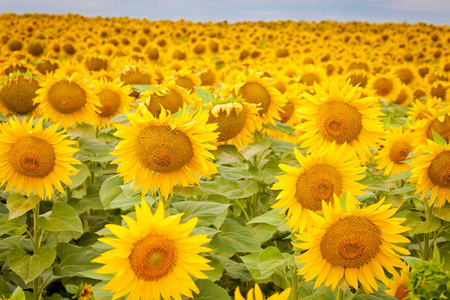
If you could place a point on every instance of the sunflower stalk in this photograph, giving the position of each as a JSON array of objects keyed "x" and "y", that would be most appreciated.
[
  {"x": 36, "y": 244},
  {"x": 427, "y": 245}
]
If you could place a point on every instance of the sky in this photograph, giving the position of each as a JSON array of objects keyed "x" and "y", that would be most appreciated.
[{"x": 374, "y": 11}]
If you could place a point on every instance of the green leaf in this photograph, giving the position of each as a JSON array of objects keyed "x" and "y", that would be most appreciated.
[
  {"x": 438, "y": 139},
  {"x": 257, "y": 149},
  {"x": 210, "y": 291},
  {"x": 442, "y": 213},
  {"x": 269, "y": 259},
  {"x": 427, "y": 226},
  {"x": 215, "y": 274},
  {"x": 8, "y": 244},
  {"x": 4, "y": 289},
  {"x": 234, "y": 238},
  {"x": 141, "y": 87},
  {"x": 11, "y": 227},
  {"x": 400, "y": 176},
  {"x": 29, "y": 267},
  {"x": 234, "y": 270},
  {"x": 110, "y": 190},
  {"x": 272, "y": 217},
  {"x": 280, "y": 127},
  {"x": 18, "y": 294},
  {"x": 62, "y": 217},
  {"x": 233, "y": 173},
  {"x": 74, "y": 259},
  {"x": 374, "y": 183},
  {"x": 18, "y": 205},
  {"x": 204, "y": 94},
  {"x": 206, "y": 212},
  {"x": 118, "y": 118},
  {"x": 230, "y": 189},
  {"x": 188, "y": 191},
  {"x": 82, "y": 175},
  {"x": 244, "y": 189}
]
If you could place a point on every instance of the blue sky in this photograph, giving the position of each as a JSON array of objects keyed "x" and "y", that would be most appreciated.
[{"x": 377, "y": 11}]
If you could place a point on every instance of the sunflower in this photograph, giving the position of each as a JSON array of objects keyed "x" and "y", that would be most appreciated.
[
  {"x": 431, "y": 171},
  {"x": 309, "y": 74},
  {"x": 67, "y": 100},
  {"x": 436, "y": 119},
  {"x": 354, "y": 245},
  {"x": 338, "y": 113},
  {"x": 404, "y": 96},
  {"x": 421, "y": 110},
  {"x": 135, "y": 74},
  {"x": 154, "y": 256},
  {"x": 386, "y": 86},
  {"x": 15, "y": 65},
  {"x": 166, "y": 95},
  {"x": 17, "y": 92},
  {"x": 256, "y": 294},
  {"x": 407, "y": 74},
  {"x": 398, "y": 145},
  {"x": 114, "y": 98},
  {"x": 327, "y": 171},
  {"x": 254, "y": 88},
  {"x": 186, "y": 79},
  {"x": 86, "y": 292},
  {"x": 159, "y": 152},
  {"x": 397, "y": 285},
  {"x": 236, "y": 121},
  {"x": 34, "y": 158}
]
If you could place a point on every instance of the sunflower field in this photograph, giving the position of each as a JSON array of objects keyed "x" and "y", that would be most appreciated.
[{"x": 255, "y": 160}]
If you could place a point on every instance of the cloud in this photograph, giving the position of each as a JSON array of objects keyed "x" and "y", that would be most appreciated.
[{"x": 440, "y": 6}]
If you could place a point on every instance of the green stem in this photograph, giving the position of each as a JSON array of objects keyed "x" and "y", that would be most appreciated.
[
  {"x": 243, "y": 209},
  {"x": 340, "y": 295},
  {"x": 294, "y": 285},
  {"x": 428, "y": 215},
  {"x": 36, "y": 245}
]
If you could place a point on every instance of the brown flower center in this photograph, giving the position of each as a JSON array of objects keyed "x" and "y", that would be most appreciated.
[
  {"x": 135, "y": 76},
  {"x": 402, "y": 292},
  {"x": 340, "y": 122},
  {"x": 185, "y": 82},
  {"x": 18, "y": 95},
  {"x": 171, "y": 101},
  {"x": 110, "y": 103},
  {"x": 287, "y": 113},
  {"x": 66, "y": 97},
  {"x": 32, "y": 156},
  {"x": 96, "y": 64},
  {"x": 255, "y": 93},
  {"x": 383, "y": 86},
  {"x": 229, "y": 126},
  {"x": 309, "y": 79},
  {"x": 399, "y": 152},
  {"x": 350, "y": 242},
  {"x": 405, "y": 75},
  {"x": 442, "y": 128},
  {"x": 316, "y": 184},
  {"x": 153, "y": 257},
  {"x": 162, "y": 149},
  {"x": 439, "y": 169},
  {"x": 207, "y": 77}
]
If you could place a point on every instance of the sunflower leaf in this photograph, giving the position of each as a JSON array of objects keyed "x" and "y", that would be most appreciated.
[
  {"x": 29, "y": 267},
  {"x": 442, "y": 213},
  {"x": 62, "y": 217},
  {"x": 426, "y": 227},
  {"x": 74, "y": 260},
  {"x": 210, "y": 291},
  {"x": 204, "y": 94},
  {"x": 141, "y": 87},
  {"x": 438, "y": 138},
  {"x": 19, "y": 205},
  {"x": 18, "y": 294}
]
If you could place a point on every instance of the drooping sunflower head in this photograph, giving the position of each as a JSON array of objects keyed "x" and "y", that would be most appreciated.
[
  {"x": 436, "y": 119},
  {"x": 310, "y": 75},
  {"x": 353, "y": 243},
  {"x": 256, "y": 294},
  {"x": 135, "y": 74},
  {"x": 329, "y": 170},
  {"x": 17, "y": 92},
  {"x": 386, "y": 86},
  {"x": 236, "y": 121},
  {"x": 15, "y": 65},
  {"x": 35, "y": 159},
  {"x": 396, "y": 149},
  {"x": 421, "y": 110},
  {"x": 114, "y": 98},
  {"x": 337, "y": 113},
  {"x": 186, "y": 79},
  {"x": 358, "y": 77},
  {"x": 254, "y": 88},
  {"x": 439, "y": 90},
  {"x": 96, "y": 63},
  {"x": 67, "y": 99},
  {"x": 154, "y": 256},
  {"x": 167, "y": 95},
  {"x": 431, "y": 171},
  {"x": 166, "y": 150}
]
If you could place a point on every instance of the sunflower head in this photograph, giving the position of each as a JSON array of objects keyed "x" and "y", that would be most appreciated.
[
  {"x": 352, "y": 243},
  {"x": 154, "y": 256},
  {"x": 34, "y": 158},
  {"x": 165, "y": 150},
  {"x": 256, "y": 294},
  {"x": 17, "y": 92}
]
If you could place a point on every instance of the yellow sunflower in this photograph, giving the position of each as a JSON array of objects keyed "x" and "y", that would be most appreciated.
[
  {"x": 159, "y": 152},
  {"x": 166, "y": 95},
  {"x": 421, "y": 110},
  {"x": 256, "y": 294},
  {"x": 254, "y": 88},
  {"x": 431, "y": 171},
  {"x": 354, "y": 245},
  {"x": 386, "y": 86},
  {"x": 86, "y": 292},
  {"x": 34, "y": 158},
  {"x": 236, "y": 121},
  {"x": 327, "y": 171},
  {"x": 436, "y": 119},
  {"x": 17, "y": 92},
  {"x": 398, "y": 145},
  {"x": 397, "y": 285},
  {"x": 154, "y": 257},
  {"x": 407, "y": 74},
  {"x": 114, "y": 98},
  {"x": 186, "y": 79},
  {"x": 338, "y": 113},
  {"x": 67, "y": 100}
]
